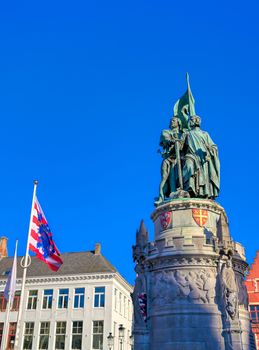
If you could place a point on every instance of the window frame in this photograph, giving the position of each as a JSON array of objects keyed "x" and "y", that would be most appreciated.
[
  {"x": 59, "y": 333},
  {"x": 254, "y": 310},
  {"x": 32, "y": 299},
  {"x": 96, "y": 335},
  {"x": 63, "y": 299},
  {"x": 16, "y": 301},
  {"x": 28, "y": 335},
  {"x": 3, "y": 302},
  {"x": 11, "y": 334},
  {"x": 99, "y": 297},
  {"x": 48, "y": 298},
  {"x": 47, "y": 334},
  {"x": 77, "y": 333},
  {"x": 1, "y": 332},
  {"x": 79, "y": 297}
]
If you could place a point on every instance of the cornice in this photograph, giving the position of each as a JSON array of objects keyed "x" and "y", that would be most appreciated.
[
  {"x": 63, "y": 279},
  {"x": 182, "y": 261},
  {"x": 122, "y": 281},
  {"x": 185, "y": 203}
]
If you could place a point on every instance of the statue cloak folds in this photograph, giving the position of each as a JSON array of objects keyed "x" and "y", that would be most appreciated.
[{"x": 201, "y": 170}]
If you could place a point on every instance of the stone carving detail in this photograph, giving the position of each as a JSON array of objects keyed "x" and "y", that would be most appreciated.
[
  {"x": 183, "y": 261},
  {"x": 188, "y": 204},
  {"x": 139, "y": 289},
  {"x": 176, "y": 286},
  {"x": 242, "y": 292},
  {"x": 230, "y": 289},
  {"x": 139, "y": 294}
]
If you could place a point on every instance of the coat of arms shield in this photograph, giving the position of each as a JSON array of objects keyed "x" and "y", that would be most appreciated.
[
  {"x": 165, "y": 219},
  {"x": 200, "y": 216}
]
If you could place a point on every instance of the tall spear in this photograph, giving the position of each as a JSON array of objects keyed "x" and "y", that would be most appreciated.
[
  {"x": 177, "y": 153},
  {"x": 191, "y": 100}
]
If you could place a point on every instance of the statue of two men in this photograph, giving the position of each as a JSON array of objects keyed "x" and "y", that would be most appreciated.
[{"x": 190, "y": 162}]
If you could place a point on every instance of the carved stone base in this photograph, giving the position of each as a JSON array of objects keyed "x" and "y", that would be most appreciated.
[
  {"x": 141, "y": 339},
  {"x": 193, "y": 277}
]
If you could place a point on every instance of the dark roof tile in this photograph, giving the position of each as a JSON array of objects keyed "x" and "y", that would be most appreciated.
[{"x": 73, "y": 264}]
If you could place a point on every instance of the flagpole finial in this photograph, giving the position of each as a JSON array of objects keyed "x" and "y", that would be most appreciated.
[{"x": 36, "y": 182}]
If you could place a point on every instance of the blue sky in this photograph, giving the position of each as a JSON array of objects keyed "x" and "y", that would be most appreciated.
[{"x": 85, "y": 89}]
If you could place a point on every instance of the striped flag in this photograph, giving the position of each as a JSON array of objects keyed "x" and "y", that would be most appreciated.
[
  {"x": 10, "y": 287},
  {"x": 41, "y": 241},
  {"x": 142, "y": 301}
]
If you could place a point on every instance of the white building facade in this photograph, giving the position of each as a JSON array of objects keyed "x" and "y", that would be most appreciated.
[{"x": 74, "y": 308}]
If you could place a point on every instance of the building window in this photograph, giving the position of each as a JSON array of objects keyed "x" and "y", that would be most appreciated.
[
  {"x": 1, "y": 332},
  {"x": 28, "y": 335},
  {"x": 97, "y": 334},
  {"x": 115, "y": 331},
  {"x": 3, "y": 302},
  {"x": 99, "y": 296},
  {"x": 129, "y": 311},
  {"x": 115, "y": 299},
  {"x": 32, "y": 300},
  {"x": 77, "y": 334},
  {"x": 63, "y": 299},
  {"x": 125, "y": 307},
  {"x": 120, "y": 305},
  {"x": 16, "y": 301},
  {"x": 254, "y": 313},
  {"x": 44, "y": 335},
  {"x": 47, "y": 299},
  {"x": 79, "y": 298},
  {"x": 60, "y": 335},
  {"x": 11, "y": 335}
]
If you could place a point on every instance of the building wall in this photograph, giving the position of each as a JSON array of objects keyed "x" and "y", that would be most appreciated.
[
  {"x": 252, "y": 285},
  {"x": 112, "y": 314}
]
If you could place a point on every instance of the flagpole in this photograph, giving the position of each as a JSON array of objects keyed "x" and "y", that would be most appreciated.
[
  {"x": 190, "y": 97},
  {"x": 6, "y": 326},
  {"x": 188, "y": 89},
  {"x": 24, "y": 266},
  {"x": 10, "y": 301}
]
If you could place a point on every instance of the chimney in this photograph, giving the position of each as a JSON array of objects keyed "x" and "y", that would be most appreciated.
[
  {"x": 3, "y": 247},
  {"x": 97, "y": 250}
]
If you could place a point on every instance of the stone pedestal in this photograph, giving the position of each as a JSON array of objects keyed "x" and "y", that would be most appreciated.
[{"x": 192, "y": 275}]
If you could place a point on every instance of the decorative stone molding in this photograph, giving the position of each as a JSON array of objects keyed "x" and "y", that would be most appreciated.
[
  {"x": 62, "y": 279},
  {"x": 182, "y": 261},
  {"x": 188, "y": 204}
]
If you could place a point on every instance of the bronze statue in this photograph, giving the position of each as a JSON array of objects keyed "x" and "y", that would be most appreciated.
[
  {"x": 190, "y": 166},
  {"x": 171, "y": 176},
  {"x": 201, "y": 163}
]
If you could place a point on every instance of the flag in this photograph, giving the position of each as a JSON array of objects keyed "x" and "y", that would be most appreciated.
[
  {"x": 10, "y": 287},
  {"x": 142, "y": 301},
  {"x": 41, "y": 241},
  {"x": 185, "y": 105}
]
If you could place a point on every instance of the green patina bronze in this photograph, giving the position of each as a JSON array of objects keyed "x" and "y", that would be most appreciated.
[
  {"x": 190, "y": 166},
  {"x": 184, "y": 107}
]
